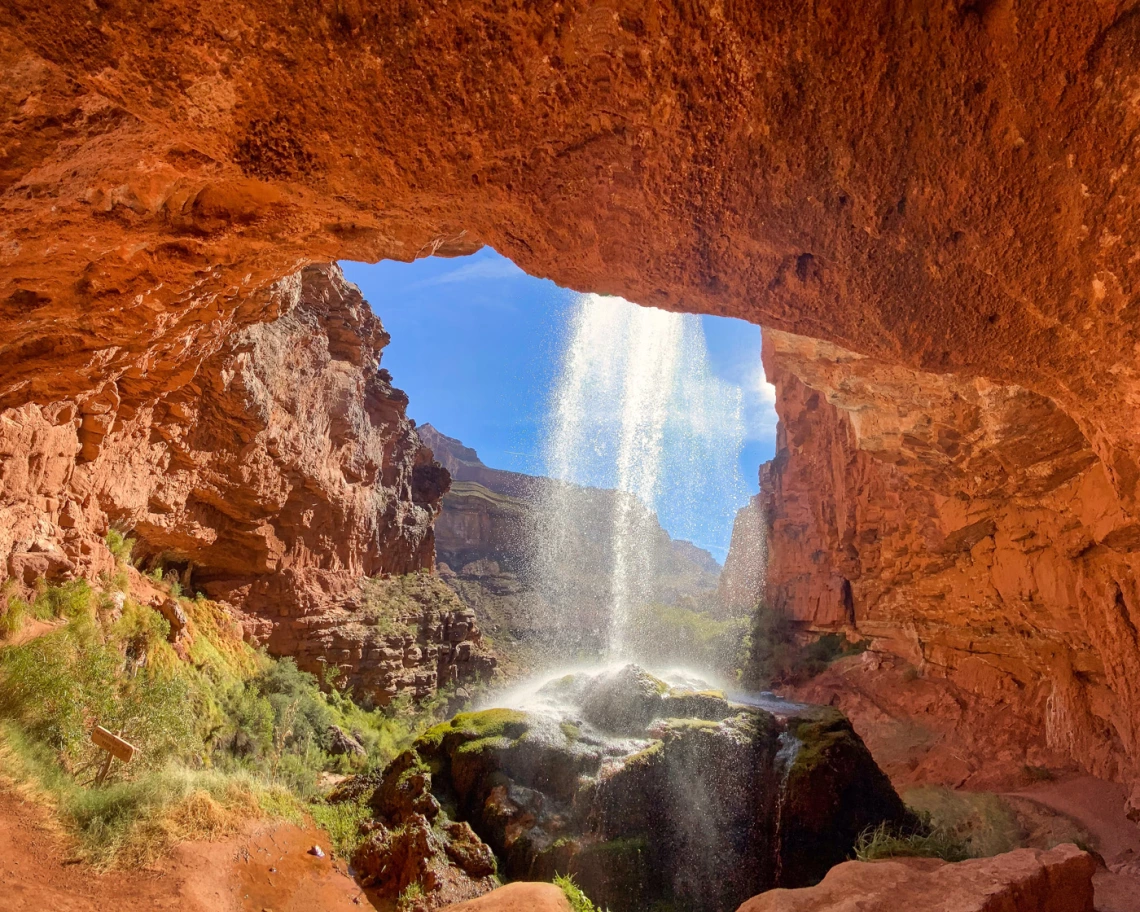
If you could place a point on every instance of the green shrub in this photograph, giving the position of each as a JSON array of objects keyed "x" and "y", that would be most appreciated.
[
  {"x": 120, "y": 546},
  {"x": 230, "y": 730},
  {"x": 578, "y": 900},
  {"x": 16, "y": 611}
]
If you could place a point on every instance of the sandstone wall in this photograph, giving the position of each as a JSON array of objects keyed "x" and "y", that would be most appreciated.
[
  {"x": 947, "y": 188},
  {"x": 968, "y": 528},
  {"x": 274, "y": 470}
]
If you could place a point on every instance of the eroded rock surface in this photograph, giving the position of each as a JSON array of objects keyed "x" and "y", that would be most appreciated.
[
  {"x": 950, "y": 188},
  {"x": 969, "y": 529},
  {"x": 1028, "y": 880},
  {"x": 275, "y": 469},
  {"x": 643, "y": 793}
]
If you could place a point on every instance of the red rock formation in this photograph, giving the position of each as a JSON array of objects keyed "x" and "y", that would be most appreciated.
[
  {"x": 968, "y": 528},
  {"x": 276, "y": 473},
  {"x": 517, "y": 897},
  {"x": 951, "y": 188},
  {"x": 1027, "y": 880}
]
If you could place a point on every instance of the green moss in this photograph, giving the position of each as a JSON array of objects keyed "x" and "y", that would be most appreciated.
[
  {"x": 818, "y": 737},
  {"x": 646, "y": 756},
  {"x": 684, "y": 725},
  {"x": 579, "y": 901},
  {"x": 509, "y": 724},
  {"x": 571, "y": 731}
]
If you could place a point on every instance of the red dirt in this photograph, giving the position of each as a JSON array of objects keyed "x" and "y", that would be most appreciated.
[
  {"x": 517, "y": 897},
  {"x": 265, "y": 868}
]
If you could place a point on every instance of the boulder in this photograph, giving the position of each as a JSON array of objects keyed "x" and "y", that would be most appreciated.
[
  {"x": 518, "y": 897},
  {"x": 342, "y": 743},
  {"x": 1028, "y": 880},
  {"x": 638, "y": 808},
  {"x": 623, "y": 701}
]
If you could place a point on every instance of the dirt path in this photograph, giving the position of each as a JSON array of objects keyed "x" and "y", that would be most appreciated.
[
  {"x": 265, "y": 868},
  {"x": 1098, "y": 807}
]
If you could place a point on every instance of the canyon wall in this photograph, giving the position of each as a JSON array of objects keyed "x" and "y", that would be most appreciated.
[
  {"x": 969, "y": 529},
  {"x": 946, "y": 192},
  {"x": 486, "y": 538},
  {"x": 274, "y": 471}
]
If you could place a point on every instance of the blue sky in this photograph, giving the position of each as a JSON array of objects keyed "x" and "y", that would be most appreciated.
[{"x": 476, "y": 344}]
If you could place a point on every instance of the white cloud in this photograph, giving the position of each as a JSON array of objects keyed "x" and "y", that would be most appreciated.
[{"x": 484, "y": 268}]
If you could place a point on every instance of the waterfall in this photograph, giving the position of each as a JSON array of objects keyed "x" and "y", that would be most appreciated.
[{"x": 636, "y": 410}]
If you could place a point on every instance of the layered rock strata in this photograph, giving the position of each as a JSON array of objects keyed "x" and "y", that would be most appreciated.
[
  {"x": 275, "y": 469},
  {"x": 968, "y": 528},
  {"x": 488, "y": 540}
]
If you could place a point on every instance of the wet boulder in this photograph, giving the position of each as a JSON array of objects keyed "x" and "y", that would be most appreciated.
[
  {"x": 643, "y": 794},
  {"x": 623, "y": 701}
]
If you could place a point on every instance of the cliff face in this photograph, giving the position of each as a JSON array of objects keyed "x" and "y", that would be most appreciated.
[
  {"x": 284, "y": 452},
  {"x": 968, "y": 528},
  {"x": 948, "y": 188},
  {"x": 274, "y": 473},
  {"x": 949, "y": 191},
  {"x": 486, "y": 538}
]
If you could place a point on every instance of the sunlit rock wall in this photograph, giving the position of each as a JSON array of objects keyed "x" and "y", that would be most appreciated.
[{"x": 947, "y": 188}]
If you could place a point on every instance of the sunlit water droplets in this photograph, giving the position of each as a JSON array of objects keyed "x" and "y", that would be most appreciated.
[{"x": 636, "y": 409}]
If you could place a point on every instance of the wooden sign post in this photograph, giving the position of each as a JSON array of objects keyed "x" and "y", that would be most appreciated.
[{"x": 115, "y": 747}]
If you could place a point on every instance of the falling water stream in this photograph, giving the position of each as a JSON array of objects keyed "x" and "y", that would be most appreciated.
[{"x": 636, "y": 409}]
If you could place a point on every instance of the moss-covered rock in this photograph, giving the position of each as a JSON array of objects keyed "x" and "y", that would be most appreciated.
[
  {"x": 646, "y": 796},
  {"x": 832, "y": 791}
]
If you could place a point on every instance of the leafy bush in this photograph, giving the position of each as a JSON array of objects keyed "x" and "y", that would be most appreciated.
[
  {"x": 230, "y": 731},
  {"x": 120, "y": 546}
]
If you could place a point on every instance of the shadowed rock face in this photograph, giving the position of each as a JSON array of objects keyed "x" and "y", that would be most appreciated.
[
  {"x": 969, "y": 528},
  {"x": 643, "y": 793},
  {"x": 949, "y": 188}
]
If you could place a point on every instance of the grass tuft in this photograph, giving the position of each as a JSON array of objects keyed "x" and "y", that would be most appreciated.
[
  {"x": 578, "y": 900},
  {"x": 882, "y": 842}
]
